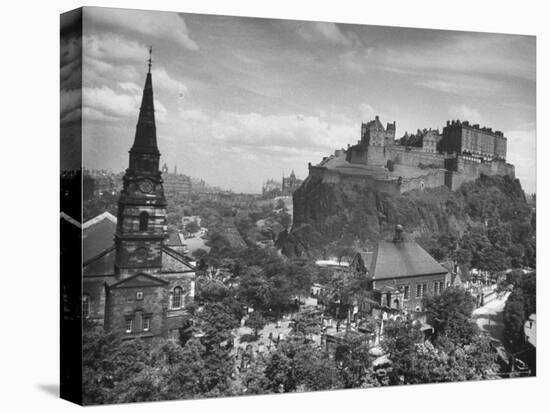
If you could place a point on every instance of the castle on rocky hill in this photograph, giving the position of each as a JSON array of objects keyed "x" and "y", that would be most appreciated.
[{"x": 428, "y": 159}]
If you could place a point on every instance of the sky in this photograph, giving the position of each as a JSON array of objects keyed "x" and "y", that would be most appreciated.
[{"x": 240, "y": 100}]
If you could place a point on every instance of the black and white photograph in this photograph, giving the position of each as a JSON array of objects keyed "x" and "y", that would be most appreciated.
[{"x": 255, "y": 206}]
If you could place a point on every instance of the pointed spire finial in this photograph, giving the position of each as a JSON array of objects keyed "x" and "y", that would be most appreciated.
[{"x": 150, "y": 60}]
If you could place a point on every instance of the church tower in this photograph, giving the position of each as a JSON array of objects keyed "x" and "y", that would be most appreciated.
[{"x": 141, "y": 222}]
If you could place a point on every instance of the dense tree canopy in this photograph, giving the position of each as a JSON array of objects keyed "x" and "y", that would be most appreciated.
[{"x": 450, "y": 313}]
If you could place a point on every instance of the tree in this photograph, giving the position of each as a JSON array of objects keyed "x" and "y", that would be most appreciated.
[
  {"x": 399, "y": 343},
  {"x": 256, "y": 322},
  {"x": 298, "y": 366},
  {"x": 109, "y": 364},
  {"x": 418, "y": 361},
  {"x": 520, "y": 305},
  {"x": 450, "y": 314},
  {"x": 254, "y": 379},
  {"x": 354, "y": 361},
  {"x": 254, "y": 289},
  {"x": 307, "y": 323}
]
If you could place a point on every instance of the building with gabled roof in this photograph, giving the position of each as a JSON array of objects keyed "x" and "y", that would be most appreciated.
[
  {"x": 137, "y": 280},
  {"x": 402, "y": 273}
]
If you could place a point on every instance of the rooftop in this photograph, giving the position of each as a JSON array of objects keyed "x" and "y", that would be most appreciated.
[{"x": 402, "y": 259}]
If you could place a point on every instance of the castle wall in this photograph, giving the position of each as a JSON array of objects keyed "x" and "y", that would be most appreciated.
[
  {"x": 389, "y": 187},
  {"x": 410, "y": 157},
  {"x": 358, "y": 154},
  {"x": 432, "y": 179},
  {"x": 380, "y": 155}
]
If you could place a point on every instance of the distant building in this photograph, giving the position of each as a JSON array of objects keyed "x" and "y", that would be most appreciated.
[
  {"x": 104, "y": 181},
  {"x": 290, "y": 184},
  {"x": 176, "y": 184},
  {"x": 271, "y": 189},
  {"x": 286, "y": 187}
]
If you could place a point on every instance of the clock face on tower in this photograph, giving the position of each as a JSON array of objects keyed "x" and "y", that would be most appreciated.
[{"x": 146, "y": 186}]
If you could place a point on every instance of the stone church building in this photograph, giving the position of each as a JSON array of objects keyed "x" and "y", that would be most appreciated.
[{"x": 136, "y": 279}]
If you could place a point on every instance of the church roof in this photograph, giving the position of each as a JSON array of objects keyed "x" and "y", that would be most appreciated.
[
  {"x": 98, "y": 235},
  {"x": 139, "y": 280},
  {"x": 99, "y": 249},
  {"x": 402, "y": 259}
]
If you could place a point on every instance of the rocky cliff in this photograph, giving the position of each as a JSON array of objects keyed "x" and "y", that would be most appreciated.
[{"x": 331, "y": 217}]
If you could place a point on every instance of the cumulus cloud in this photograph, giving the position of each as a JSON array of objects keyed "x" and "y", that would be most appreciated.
[
  {"x": 367, "y": 111},
  {"x": 104, "y": 103},
  {"x": 163, "y": 80},
  {"x": 302, "y": 133},
  {"x": 114, "y": 48},
  {"x": 164, "y": 26},
  {"x": 464, "y": 112},
  {"x": 328, "y": 32}
]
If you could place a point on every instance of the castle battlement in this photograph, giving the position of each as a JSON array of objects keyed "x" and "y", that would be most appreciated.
[{"x": 427, "y": 159}]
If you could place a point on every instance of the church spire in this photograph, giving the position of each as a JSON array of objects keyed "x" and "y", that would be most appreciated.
[{"x": 145, "y": 140}]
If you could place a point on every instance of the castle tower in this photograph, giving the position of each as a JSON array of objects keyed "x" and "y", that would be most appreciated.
[{"x": 141, "y": 224}]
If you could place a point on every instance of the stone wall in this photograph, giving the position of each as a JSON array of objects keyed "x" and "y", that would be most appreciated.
[
  {"x": 413, "y": 301},
  {"x": 432, "y": 179},
  {"x": 124, "y": 304},
  {"x": 444, "y": 169},
  {"x": 414, "y": 157},
  {"x": 138, "y": 254}
]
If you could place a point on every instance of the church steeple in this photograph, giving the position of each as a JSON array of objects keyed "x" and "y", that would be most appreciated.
[
  {"x": 145, "y": 140},
  {"x": 141, "y": 227}
]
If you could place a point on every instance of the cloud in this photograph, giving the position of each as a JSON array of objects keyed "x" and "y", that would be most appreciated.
[
  {"x": 104, "y": 103},
  {"x": 462, "y": 85},
  {"x": 113, "y": 60},
  {"x": 522, "y": 152},
  {"x": 357, "y": 60},
  {"x": 271, "y": 139},
  {"x": 327, "y": 32},
  {"x": 114, "y": 48},
  {"x": 464, "y": 112},
  {"x": 468, "y": 53},
  {"x": 193, "y": 115},
  {"x": 367, "y": 111},
  {"x": 163, "y": 80},
  {"x": 70, "y": 100},
  {"x": 130, "y": 87},
  {"x": 162, "y": 26}
]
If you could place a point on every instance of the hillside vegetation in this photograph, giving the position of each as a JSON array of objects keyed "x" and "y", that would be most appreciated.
[{"x": 482, "y": 223}]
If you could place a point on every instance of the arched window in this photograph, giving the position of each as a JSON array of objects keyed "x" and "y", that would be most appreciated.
[
  {"x": 177, "y": 297},
  {"x": 85, "y": 305},
  {"x": 143, "y": 221}
]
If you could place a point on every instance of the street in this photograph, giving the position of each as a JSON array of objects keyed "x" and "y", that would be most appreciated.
[{"x": 489, "y": 317}]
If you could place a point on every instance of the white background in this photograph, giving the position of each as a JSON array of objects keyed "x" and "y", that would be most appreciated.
[{"x": 29, "y": 153}]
